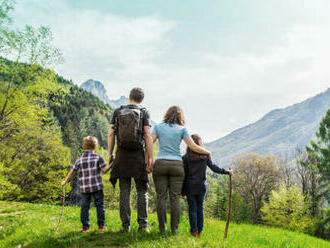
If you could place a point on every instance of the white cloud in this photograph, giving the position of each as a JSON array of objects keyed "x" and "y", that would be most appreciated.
[{"x": 220, "y": 87}]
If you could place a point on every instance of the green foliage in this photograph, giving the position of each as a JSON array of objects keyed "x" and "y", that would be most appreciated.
[
  {"x": 287, "y": 209},
  {"x": 30, "y": 44},
  {"x": 5, "y": 7},
  {"x": 79, "y": 114},
  {"x": 240, "y": 211},
  {"x": 323, "y": 225},
  {"x": 31, "y": 151},
  {"x": 5, "y": 185},
  {"x": 320, "y": 151}
]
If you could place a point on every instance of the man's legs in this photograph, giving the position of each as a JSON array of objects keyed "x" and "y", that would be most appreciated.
[
  {"x": 124, "y": 202},
  {"x": 99, "y": 204},
  {"x": 142, "y": 203},
  {"x": 84, "y": 213}
]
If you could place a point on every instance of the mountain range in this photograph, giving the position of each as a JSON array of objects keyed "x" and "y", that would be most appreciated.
[
  {"x": 280, "y": 132},
  {"x": 97, "y": 89}
]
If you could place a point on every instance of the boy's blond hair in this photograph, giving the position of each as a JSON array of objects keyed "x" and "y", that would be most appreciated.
[{"x": 90, "y": 143}]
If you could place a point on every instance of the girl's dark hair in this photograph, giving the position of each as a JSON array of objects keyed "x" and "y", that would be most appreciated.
[
  {"x": 196, "y": 138},
  {"x": 191, "y": 155},
  {"x": 174, "y": 115}
]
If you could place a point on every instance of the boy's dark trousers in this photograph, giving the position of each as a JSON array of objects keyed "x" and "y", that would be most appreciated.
[
  {"x": 196, "y": 212},
  {"x": 99, "y": 204}
]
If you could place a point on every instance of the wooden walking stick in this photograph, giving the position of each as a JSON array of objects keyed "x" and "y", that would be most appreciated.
[
  {"x": 229, "y": 207},
  {"x": 62, "y": 211}
]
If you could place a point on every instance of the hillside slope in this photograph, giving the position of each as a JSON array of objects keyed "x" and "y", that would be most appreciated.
[
  {"x": 32, "y": 225},
  {"x": 279, "y": 132}
]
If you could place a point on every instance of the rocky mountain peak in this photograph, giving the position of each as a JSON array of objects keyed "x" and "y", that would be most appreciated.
[{"x": 97, "y": 89}]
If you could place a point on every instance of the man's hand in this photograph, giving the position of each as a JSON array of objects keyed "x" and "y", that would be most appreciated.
[
  {"x": 184, "y": 197},
  {"x": 150, "y": 164},
  {"x": 110, "y": 161},
  {"x": 63, "y": 183},
  {"x": 230, "y": 172}
]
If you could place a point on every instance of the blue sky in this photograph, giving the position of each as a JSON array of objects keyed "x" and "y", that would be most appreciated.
[{"x": 225, "y": 62}]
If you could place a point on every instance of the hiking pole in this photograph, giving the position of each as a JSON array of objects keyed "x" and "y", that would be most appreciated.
[
  {"x": 229, "y": 207},
  {"x": 62, "y": 211}
]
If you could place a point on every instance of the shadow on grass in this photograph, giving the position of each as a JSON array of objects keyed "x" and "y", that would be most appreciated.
[{"x": 97, "y": 239}]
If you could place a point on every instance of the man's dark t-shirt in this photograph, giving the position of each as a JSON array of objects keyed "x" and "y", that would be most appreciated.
[{"x": 129, "y": 164}]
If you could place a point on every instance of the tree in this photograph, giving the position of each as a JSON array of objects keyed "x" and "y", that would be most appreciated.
[
  {"x": 33, "y": 45},
  {"x": 312, "y": 187},
  {"x": 288, "y": 209},
  {"x": 32, "y": 155},
  {"x": 254, "y": 178},
  {"x": 5, "y": 7},
  {"x": 319, "y": 151}
]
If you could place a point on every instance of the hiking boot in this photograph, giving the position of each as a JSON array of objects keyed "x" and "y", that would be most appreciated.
[
  {"x": 125, "y": 229},
  {"x": 85, "y": 230},
  {"x": 199, "y": 235},
  {"x": 143, "y": 229},
  {"x": 195, "y": 234},
  {"x": 102, "y": 228}
]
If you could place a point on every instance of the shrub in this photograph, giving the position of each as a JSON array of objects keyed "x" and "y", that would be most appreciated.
[{"x": 288, "y": 209}]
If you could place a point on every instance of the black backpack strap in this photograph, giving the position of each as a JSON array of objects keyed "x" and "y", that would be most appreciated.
[
  {"x": 116, "y": 118},
  {"x": 141, "y": 127}
]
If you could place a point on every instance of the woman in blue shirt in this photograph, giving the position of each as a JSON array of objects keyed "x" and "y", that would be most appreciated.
[{"x": 168, "y": 171}]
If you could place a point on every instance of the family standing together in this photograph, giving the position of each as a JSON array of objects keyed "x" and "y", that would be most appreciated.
[{"x": 173, "y": 174}]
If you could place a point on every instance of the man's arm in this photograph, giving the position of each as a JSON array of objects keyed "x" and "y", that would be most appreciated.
[
  {"x": 149, "y": 147},
  {"x": 102, "y": 165},
  {"x": 111, "y": 142},
  {"x": 68, "y": 177}
]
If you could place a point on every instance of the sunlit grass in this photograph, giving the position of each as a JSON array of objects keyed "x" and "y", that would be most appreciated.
[{"x": 32, "y": 225}]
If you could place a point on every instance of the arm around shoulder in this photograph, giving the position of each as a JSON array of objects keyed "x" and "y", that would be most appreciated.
[{"x": 196, "y": 148}]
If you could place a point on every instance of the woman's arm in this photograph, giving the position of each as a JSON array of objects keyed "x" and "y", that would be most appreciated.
[
  {"x": 196, "y": 148},
  {"x": 154, "y": 137}
]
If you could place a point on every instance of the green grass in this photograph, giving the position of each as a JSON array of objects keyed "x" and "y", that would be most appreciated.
[{"x": 32, "y": 225}]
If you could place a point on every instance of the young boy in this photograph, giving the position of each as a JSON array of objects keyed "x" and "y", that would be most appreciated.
[{"x": 89, "y": 167}]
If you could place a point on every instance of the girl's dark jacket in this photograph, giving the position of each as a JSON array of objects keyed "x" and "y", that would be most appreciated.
[{"x": 195, "y": 166}]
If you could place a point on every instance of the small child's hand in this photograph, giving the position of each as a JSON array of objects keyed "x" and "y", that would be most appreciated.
[{"x": 63, "y": 183}]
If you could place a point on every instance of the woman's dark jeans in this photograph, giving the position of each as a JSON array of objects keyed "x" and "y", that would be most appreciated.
[
  {"x": 196, "y": 212},
  {"x": 99, "y": 204}
]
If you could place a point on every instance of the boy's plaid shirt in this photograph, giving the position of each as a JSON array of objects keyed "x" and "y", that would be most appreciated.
[{"x": 89, "y": 167}]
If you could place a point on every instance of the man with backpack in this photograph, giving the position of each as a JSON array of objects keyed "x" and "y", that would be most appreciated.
[{"x": 130, "y": 128}]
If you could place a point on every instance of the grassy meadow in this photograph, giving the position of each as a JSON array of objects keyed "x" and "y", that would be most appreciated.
[{"x": 33, "y": 225}]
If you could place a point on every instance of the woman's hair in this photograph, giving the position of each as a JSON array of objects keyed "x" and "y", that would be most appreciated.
[
  {"x": 174, "y": 115},
  {"x": 191, "y": 155},
  {"x": 90, "y": 143}
]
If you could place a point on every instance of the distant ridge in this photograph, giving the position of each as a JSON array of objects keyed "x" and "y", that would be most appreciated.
[
  {"x": 279, "y": 132},
  {"x": 97, "y": 89}
]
